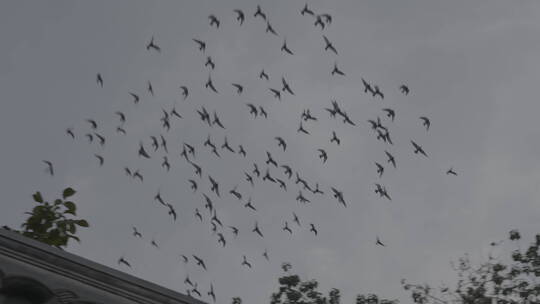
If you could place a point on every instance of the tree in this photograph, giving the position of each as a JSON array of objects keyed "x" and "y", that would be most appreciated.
[
  {"x": 49, "y": 222},
  {"x": 507, "y": 282},
  {"x": 293, "y": 290}
]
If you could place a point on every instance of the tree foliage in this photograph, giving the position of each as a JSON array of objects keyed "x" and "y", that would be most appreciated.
[
  {"x": 53, "y": 223},
  {"x": 509, "y": 282}
]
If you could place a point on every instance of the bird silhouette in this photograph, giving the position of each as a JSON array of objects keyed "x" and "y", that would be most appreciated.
[
  {"x": 270, "y": 160},
  {"x": 128, "y": 171},
  {"x": 121, "y": 130},
  {"x": 378, "y": 242},
  {"x": 175, "y": 113},
  {"x": 187, "y": 280},
  {"x": 281, "y": 142},
  {"x": 313, "y": 229},
  {"x": 336, "y": 70},
  {"x": 327, "y": 18},
  {"x": 100, "y": 159},
  {"x": 221, "y": 239},
  {"x": 202, "y": 44},
  {"x": 215, "y": 186},
  {"x": 142, "y": 151},
  {"x": 239, "y": 88},
  {"x": 263, "y": 112},
  {"x": 136, "y": 232},
  {"x": 153, "y": 45},
  {"x": 214, "y": 21},
  {"x": 367, "y": 87},
  {"x": 256, "y": 170},
  {"x": 306, "y": 10},
  {"x": 270, "y": 29},
  {"x": 329, "y": 45},
  {"x": 323, "y": 155},
  {"x": 288, "y": 170},
  {"x": 235, "y": 192},
  {"x": 300, "y": 198},
  {"x": 335, "y": 138},
  {"x": 253, "y": 109},
  {"x": 200, "y": 262},
  {"x": 209, "y": 205},
  {"x": 339, "y": 195},
  {"x": 122, "y": 260},
  {"x": 418, "y": 149},
  {"x": 153, "y": 243},
  {"x": 257, "y": 229},
  {"x": 319, "y": 21},
  {"x": 285, "y": 48},
  {"x": 99, "y": 80},
  {"x": 390, "y": 113},
  {"x": 211, "y": 292},
  {"x": 195, "y": 290},
  {"x": 378, "y": 92},
  {"x": 259, "y": 13},
  {"x": 380, "y": 169},
  {"x": 210, "y": 63},
  {"x": 286, "y": 87},
  {"x": 296, "y": 219},
  {"x": 426, "y": 122},
  {"x": 216, "y": 121},
  {"x": 172, "y": 211},
  {"x": 93, "y": 123},
  {"x": 185, "y": 260},
  {"x": 265, "y": 254},
  {"x": 239, "y": 16},
  {"x": 249, "y": 179},
  {"x": 198, "y": 214},
  {"x": 197, "y": 168},
  {"x": 158, "y": 198},
  {"x": 404, "y": 89},
  {"x": 150, "y": 88},
  {"x": 301, "y": 129},
  {"x": 226, "y": 145},
  {"x": 390, "y": 158},
  {"x": 49, "y": 169},
  {"x": 241, "y": 150},
  {"x": 286, "y": 228},
  {"x": 185, "y": 92},
  {"x": 249, "y": 205},
  {"x": 138, "y": 175},
  {"x": 209, "y": 84},
  {"x": 263, "y": 74},
  {"x": 234, "y": 230},
  {"x": 268, "y": 177},
  {"x": 451, "y": 171},
  {"x": 245, "y": 262},
  {"x": 277, "y": 93},
  {"x": 136, "y": 98}
]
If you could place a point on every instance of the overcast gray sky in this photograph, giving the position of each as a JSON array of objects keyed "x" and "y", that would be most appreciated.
[{"x": 472, "y": 67}]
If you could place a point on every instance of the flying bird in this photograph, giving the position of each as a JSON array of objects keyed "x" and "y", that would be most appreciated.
[
  {"x": 380, "y": 169},
  {"x": 202, "y": 44},
  {"x": 245, "y": 262},
  {"x": 404, "y": 89},
  {"x": 49, "y": 168},
  {"x": 153, "y": 242},
  {"x": 257, "y": 229},
  {"x": 270, "y": 29},
  {"x": 426, "y": 122},
  {"x": 270, "y": 160},
  {"x": 100, "y": 159},
  {"x": 285, "y": 48},
  {"x": 286, "y": 228},
  {"x": 263, "y": 112},
  {"x": 185, "y": 92},
  {"x": 214, "y": 21},
  {"x": 122, "y": 260},
  {"x": 153, "y": 45},
  {"x": 259, "y": 13},
  {"x": 281, "y": 142},
  {"x": 390, "y": 158},
  {"x": 93, "y": 123},
  {"x": 265, "y": 254},
  {"x": 301, "y": 129},
  {"x": 234, "y": 230},
  {"x": 263, "y": 74},
  {"x": 323, "y": 155},
  {"x": 296, "y": 219},
  {"x": 209, "y": 62},
  {"x": 378, "y": 242},
  {"x": 451, "y": 171},
  {"x": 150, "y": 88},
  {"x": 335, "y": 138},
  {"x": 313, "y": 229},
  {"x": 69, "y": 131},
  {"x": 367, "y": 87},
  {"x": 142, "y": 152},
  {"x": 252, "y": 109},
  {"x": 286, "y": 86},
  {"x": 239, "y": 88},
  {"x": 306, "y": 10},
  {"x": 216, "y": 121},
  {"x": 99, "y": 80},
  {"x": 211, "y": 292},
  {"x": 390, "y": 113},
  {"x": 277, "y": 93},
  {"x": 239, "y": 16},
  {"x": 250, "y": 205},
  {"x": 336, "y": 70},
  {"x": 319, "y": 21},
  {"x": 210, "y": 85},
  {"x": 135, "y": 97},
  {"x": 136, "y": 232},
  {"x": 418, "y": 149},
  {"x": 241, "y": 150},
  {"x": 200, "y": 262},
  {"x": 329, "y": 45},
  {"x": 339, "y": 195}
]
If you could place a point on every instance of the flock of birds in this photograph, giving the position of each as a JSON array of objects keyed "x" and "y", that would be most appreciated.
[{"x": 209, "y": 187}]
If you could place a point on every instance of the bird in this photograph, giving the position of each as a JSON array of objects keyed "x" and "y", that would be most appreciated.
[
  {"x": 418, "y": 149},
  {"x": 378, "y": 242},
  {"x": 300, "y": 198},
  {"x": 49, "y": 168},
  {"x": 259, "y": 13},
  {"x": 285, "y": 48},
  {"x": 198, "y": 214},
  {"x": 426, "y": 122},
  {"x": 270, "y": 160},
  {"x": 277, "y": 93},
  {"x": 202, "y": 44},
  {"x": 288, "y": 170},
  {"x": 200, "y": 262},
  {"x": 239, "y": 16},
  {"x": 153, "y": 45},
  {"x": 286, "y": 228},
  {"x": 100, "y": 159},
  {"x": 122, "y": 260},
  {"x": 215, "y": 186},
  {"x": 257, "y": 229},
  {"x": 195, "y": 290},
  {"x": 319, "y": 21},
  {"x": 263, "y": 74},
  {"x": 138, "y": 175},
  {"x": 245, "y": 262},
  {"x": 263, "y": 112},
  {"x": 209, "y": 62},
  {"x": 335, "y": 138},
  {"x": 153, "y": 242},
  {"x": 241, "y": 150},
  {"x": 214, "y": 20},
  {"x": 175, "y": 113},
  {"x": 380, "y": 169},
  {"x": 210, "y": 85},
  {"x": 150, "y": 88},
  {"x": 99, "y": 80},
  {"x": 250, "y": 205},
  {"x": 281, "y": 142},
  {"x": 135, "y": 97},
  {"x": 185, "y": 92},
  {"x": 136, "y": 232},
  {"x": 270, "y": 29},
  {"x": 186, "y": 260},
  {"x": 143, "y": 152},
  {"x": 235, "y": 192},
  {"x": 404, "y": 89},
  {"x": 265, "y": 254},
  {"x": 378, "y": 92},
  {"x": 172, "y": 211},
  {"x": 267, "y": 176},
  {"x": 390, "y": 113},
  {"x": 239, "y": 88},
  {"x": 313, "y": 229},
  {"x": 127, "y": 171},
  {"x": 253, "y": 109},
  {"x": 93, "y": 123},
  {"x": 221, "y": 239},
  {"x": 306, "y": 10},
  {"x": 323, "y": 155},
  {"x": 282, "y": 184},
  {"x": 296, "y": 219},
  {"x": 256, "y": 170},
  {"x": 187, "y": 280},
  {"x": 390, "y": 158},
  {"x": 336, "y": 70},
  {"x": 339, "y": 195},
  {"x": 216, "y": 121},
  {"x": 234, "y": 230},
  {"x": 367, "y": 87},
  {"x": 249, "y": 179},
  {"x": 327, "y": 18},
  {"x": 122, "y": 116},
  {"x": 329, "y": 45},
  {"x": 451, "y": 171},
  {"x": 301, "y": 129},
  {"x": 211, "y": 292},
  {"x": 286, "y": 86}
]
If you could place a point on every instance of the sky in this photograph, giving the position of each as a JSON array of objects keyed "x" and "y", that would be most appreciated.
[{"x": 471, "y": 67}]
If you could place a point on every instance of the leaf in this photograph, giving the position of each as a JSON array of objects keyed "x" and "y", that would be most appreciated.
[
  {"x": 37, "y": 197},
  {"x": 70, "y": 207},
  {"x": 82, "y": 223},
  {"x": 68, "y": 192}
]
